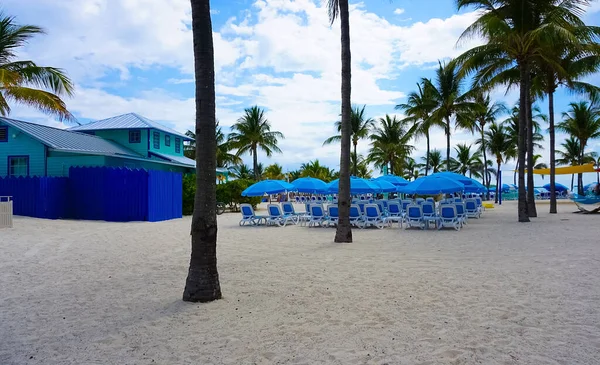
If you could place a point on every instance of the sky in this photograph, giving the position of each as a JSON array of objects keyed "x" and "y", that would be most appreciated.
[{"x": 282, "y": 55}]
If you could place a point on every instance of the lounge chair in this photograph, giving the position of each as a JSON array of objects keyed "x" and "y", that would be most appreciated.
[
  {"x": 356, "y": 218},
  {"x": 373, "y": 217},
  {"x": 429, "y": 215},
  {"x": 419, "y": 201},
  {"x": 461, "y": 212},
  {"x": 288, "y": 208},
  {"x": 248, "y": 216},
  {"x": 480, "y": 204},
  {"x": 471, "y": 208},
  {"x": 448, "y": 217},
  {"x": 395, "y": 212},
  {"x": 332, "y": 215},
  {"x": 277, "y": 217},
  {"x": 405, "y": 203},
  {"x": 317, "y": 215},
  {"x": 414, "y": 216}
]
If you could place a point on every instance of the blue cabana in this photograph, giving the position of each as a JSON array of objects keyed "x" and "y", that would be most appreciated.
[{"x": 268, "y": 187}]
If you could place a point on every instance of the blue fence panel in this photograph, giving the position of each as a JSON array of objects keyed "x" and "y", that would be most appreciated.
[
  {"x": 164, "y": 195},
  {"x": 40, "y": 197}
]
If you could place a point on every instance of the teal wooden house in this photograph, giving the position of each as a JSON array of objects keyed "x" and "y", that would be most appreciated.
[{"x": 129, "y": 140}]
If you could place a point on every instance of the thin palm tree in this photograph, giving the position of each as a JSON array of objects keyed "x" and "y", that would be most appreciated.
[
  {"x": 242, "y": 172},
  {"x": 339, "y": 8},
  {"x": 418, "y": 108},
  {"x": 24, "y": 82},
  {"x": 450, "y": 102},
  {"x": 499, "y": 144},
  {"x": 466, "y": 161},
  {"x": 253, "y": 132},
  {"x": 390, "y": 141},
  {"x": 581, "y": 121},
  {"x": 202, "y": 283},
  {"x": 360, "y": 129},
  {"x": 571, "y": 155}
]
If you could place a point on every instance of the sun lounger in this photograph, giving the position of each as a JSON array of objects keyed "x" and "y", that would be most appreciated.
[
  {"x": 395, "y": 212},
  {"x": 414, "y": 216},
  {"x": 429, "y": 215},
  {"x": 448, "y": 217},
  {"x": 471, "y": 208},
  {"x": 373, "y": 217},
  {"x": 276, "y": 216},
  {"x": 248, "y": 216},
  {"x": 332, "y": 215},
  {"x": 317, "y": 215},
  {"x": 461, "y": 213},
  {"x": 356, "y": 217}
]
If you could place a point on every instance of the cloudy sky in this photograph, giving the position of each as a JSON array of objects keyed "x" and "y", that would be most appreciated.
[{"x": 136, "y": 56}]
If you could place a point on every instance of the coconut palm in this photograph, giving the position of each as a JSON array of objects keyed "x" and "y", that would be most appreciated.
[
  {"x": 499, "y": 144},
  {"x": 253, "y": 132},
  {"x": 294, "y": 174},
  {"x": 363, "y": 170},
  {"x": 316, "y": 170},
  {"x": 24, "y": 82},
  {"x": 466, "y": 161},
  {"x": 450, "y": 102},
  {"x": 274, "y": 172},
  {"x": 224, "y": 157},
  {"x": 242, "y": 172},
  {"x": 571, "y": 155},
  {"x": 418, "y": 108},
  {"x": 581, "y": 121},
  {"x": 202, "y": 283},
  {"x": 390, "y": 141},
  {"x": 436, "y": 161},
  {"x": 411, "y": 169},
  {"x": 518, "y": 32}
]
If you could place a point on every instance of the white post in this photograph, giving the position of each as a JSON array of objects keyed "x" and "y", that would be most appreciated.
[{"x": 6, "y": 212}]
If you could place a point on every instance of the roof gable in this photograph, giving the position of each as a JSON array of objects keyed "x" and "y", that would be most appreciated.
[{"x": 127, "y": 121}]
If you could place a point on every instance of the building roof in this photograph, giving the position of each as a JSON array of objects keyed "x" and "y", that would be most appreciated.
[
  {"x": 181, "y": 160},
  {"x": 127, "y": 121},
  {"x": 69, "y": 141}
]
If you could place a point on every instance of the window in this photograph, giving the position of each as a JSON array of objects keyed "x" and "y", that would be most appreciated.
[
  {"x": 135, "y": 136},
  {"x": 18, "y": 165},
  {"x": 3, "y": 134},
  {"x": 167, "y": 140},
  {"x": 177, "y": 145},
  {"x": 156, "y": 140}
]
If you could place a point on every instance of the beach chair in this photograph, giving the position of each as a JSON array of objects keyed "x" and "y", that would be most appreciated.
[
  {"x": 461, "y": 213},
  {"x": 419, "y": 201},
  {"x": 332, "y": 215},
  {"x": 248, "y": 216},
  {"x": 381, "y": 205},
  {"x": 395, "y": 212},
  {"x": 448, "y": 217},
  {"x": 356, "y": 218},
  {"x": 317, "y": 215},
  {"x": 431, "y": 200},
  {"x": 405, "y": 203},
  {"x": 276, "y": 216},
  {"x": 429, "y": 215},
  {"x": 480, "y": 206},
  {"x": 414, "y": 217},
  {"x": 373, "y": 217},
  {"x": 471, "y": 208}
]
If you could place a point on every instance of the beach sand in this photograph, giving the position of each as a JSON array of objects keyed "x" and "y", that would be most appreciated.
[{"x": 497, "y": 292}]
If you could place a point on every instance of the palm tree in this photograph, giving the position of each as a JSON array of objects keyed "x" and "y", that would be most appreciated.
[
  {"x": 294, "y": 174},
  {"x": 465, "y": 161},
  {"x": 224, "y": 157},
  {"x": 436, "y": 162},
  {"x": 20, "y": 80},
  {"x": 343, "y": 232},
  {"x": 360, "y": 129},
  {"x": 252, "y": 132},
  {"x": 389, "y": 142},
  {"x": 581, "y": 121},
  {"x": 316, "y": 170},
  {"x": 518, "y": 32},
  {"x": 411, "y": 170},
  {"x": 363, "y": 170},
  {"x": 274, "y": 172},
  {"x": 202, "y": 283},
  {"x": 259, "y": 171},
  {"x": 571, "y": 155},
  {"x": 242, "y": 172},
  {"x": 448, "y": 98},
  {"x": 418, "y": 108},
  {"x": 484, "y": 111},
  {"x": 499, "y": 145}
]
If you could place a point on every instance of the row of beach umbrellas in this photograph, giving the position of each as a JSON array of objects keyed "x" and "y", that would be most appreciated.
[{"x": 438, "y": 183}]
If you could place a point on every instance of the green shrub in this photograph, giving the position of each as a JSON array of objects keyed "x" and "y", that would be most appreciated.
[{"x": 229, "y": 193}]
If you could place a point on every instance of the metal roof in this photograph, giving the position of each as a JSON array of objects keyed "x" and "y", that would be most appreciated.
[
  {"x": 68, "y": 141},
  {"x": 127, "y": 121},
  {"x": 182, "y": 160}
]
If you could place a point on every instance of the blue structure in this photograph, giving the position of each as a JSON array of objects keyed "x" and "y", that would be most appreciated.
[{"x": 129, "y": 140}]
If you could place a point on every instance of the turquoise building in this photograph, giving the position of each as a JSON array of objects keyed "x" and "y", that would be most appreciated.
[{"x": 129, "y": 140}]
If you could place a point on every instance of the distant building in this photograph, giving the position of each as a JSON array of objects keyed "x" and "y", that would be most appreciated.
[{"x": 129, "y": 140}]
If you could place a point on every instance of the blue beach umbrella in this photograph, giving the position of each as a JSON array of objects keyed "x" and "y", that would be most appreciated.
[
  {"x": 432, "y": 185},
  {"x": 268, "y": 187},
  {"x": 357, "y": 186},
  {"x": 471, "y": 185},
  {"x": 384, "y": 186},
  {"x": 559, "y": 187},
  {"x": 310, "y": 185},
  {"x": 508, "y": 187},
  {"x": 395, "y": 180}
]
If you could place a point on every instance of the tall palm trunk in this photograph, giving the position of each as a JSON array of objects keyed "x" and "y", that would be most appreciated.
[
  {"x": 427, "y": 156},
  {"x": 255, "y": 163},
  {"x": 522, "y": 200},
  {"x": 580, "y": 175},
  {"x": 531, "y": 209},
  {"x": 572, "y": 181},
  {"x": 447, "y": 144},
  {"x": 552, "y": 153},
  {"x": 486, "y": 180},
  {"x": 202, "y": 283},
  {"x": 343, "y": 232},
  {"x": 355, "y": 164},
  {"x": 498, "y": 191},
  {"x": 515, "y": 173}
]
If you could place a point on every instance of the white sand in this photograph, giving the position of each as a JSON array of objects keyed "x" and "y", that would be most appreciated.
[{"x": 497, "y": 292}]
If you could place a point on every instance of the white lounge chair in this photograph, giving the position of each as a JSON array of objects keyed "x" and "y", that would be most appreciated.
[
  {"x": 448, "y": 217},
  {"x": 249, "y": 218},
  {"x": 414, "y": 216},
  {"x": 276, "y": 216}
]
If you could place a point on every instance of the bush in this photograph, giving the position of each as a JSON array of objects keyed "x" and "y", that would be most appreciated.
[{"x": 229, "y": 193}]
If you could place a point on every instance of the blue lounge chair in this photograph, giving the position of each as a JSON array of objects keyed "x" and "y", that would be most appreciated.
[
  {"x": 276, "y": 216},
  {"x": 288, "y": 208},
  {"x": 472, "y": 209},
  {"x": 429, "y": 215},
  {"x": 332, "y": 215},
  {"x": 395, "y": 212},
  {"x": 248, "y": 216},
  {"x": 356, "y": 218},
  {"x": 448, "y": 217},
  {"x": 461, "y": 212},
  {"x": 480, "y": 204},
  {"x": 405, "y": 203},
  {"x": 317, "y": 215},
  {"x": 414, "y": 216},
  {"x": 373, "y": 217}
]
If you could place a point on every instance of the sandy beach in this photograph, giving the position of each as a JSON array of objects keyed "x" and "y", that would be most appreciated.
[{"x": 497, "y": 292}]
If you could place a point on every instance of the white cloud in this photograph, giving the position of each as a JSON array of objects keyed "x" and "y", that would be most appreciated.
[{"x": 399, "y": 11}]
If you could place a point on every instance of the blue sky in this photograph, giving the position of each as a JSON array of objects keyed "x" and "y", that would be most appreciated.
[{"x": 136, "y": 56}]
